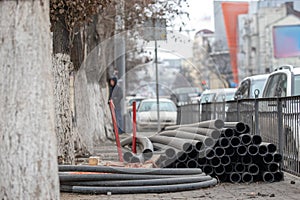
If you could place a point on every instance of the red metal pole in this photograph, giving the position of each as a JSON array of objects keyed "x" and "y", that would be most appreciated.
[
  {"x": 113, "y": 114},
  {"x": 134, "y": 127}
]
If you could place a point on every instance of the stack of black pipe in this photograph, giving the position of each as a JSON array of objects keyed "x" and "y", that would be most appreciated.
[{"x": 225, "y": 150}]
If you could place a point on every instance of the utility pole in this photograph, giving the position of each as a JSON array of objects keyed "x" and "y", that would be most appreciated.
[
  {"x": 156, "y": 71},
  {"x": 155, "y": 29},
  {"x": 119, "y": 51}
]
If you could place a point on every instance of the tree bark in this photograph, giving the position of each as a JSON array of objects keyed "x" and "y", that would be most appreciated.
[
  {"x": 93, "y": 117},
  {"x": 64, "y": 128},
  {"x": 62, "y": 67},
  {"x": 28, "y": 166}
]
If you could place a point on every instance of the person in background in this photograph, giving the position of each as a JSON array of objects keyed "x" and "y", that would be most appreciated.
[{"x": 116, "y": 95}]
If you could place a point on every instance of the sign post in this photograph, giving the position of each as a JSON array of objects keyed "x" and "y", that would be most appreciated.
[{"x": 158, "y": 32}]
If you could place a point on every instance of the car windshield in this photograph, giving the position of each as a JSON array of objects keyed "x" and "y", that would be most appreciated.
[
  {"x": 297, "y": 85},
  {"x": 257, "y": 84},
  {"x": 152, "y": 106}
]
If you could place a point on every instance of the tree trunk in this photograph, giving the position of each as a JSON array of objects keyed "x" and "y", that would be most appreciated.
[
  {"x": 91, "y": 113},
  {"x": 62, "y": 67},
  {"x": 28, "y": 166},
  {"x": 93, "y": 117},
  {"x": 64, "y": 129}
]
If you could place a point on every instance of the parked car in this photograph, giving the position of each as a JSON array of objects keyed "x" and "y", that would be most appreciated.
[
  {"x": 130, "y": 101},
  {"x": 284, "y": 81},
  {"x": 249, "y": 85},
  {"x": 147, "y": 114},
  {"x": 246, "y": 90},
  {"x": 217, "y": 95},
  {"x": 208, "y": 111}
]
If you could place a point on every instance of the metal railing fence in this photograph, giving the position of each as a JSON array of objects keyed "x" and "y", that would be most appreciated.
[
  {"x": 188, "y": 113},
  {"x": 276, "y": 120}
]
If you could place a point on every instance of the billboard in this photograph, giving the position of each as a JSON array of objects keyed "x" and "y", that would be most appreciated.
[
  {"x": 231, "y": 10},
  {"x": 286, "y": 40}
]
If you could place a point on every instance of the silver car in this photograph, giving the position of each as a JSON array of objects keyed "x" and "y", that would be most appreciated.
[{"x": 147, "y": 114}]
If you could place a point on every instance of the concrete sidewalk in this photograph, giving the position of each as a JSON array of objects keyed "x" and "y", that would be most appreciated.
[
  {"x": 107, "y": 151},
  {"x": 289, "y": 189}
]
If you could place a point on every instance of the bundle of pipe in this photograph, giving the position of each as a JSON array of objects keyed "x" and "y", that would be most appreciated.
[
  {"x": 239, "y": 156},
  {"x": 178, "y": 152},
  {"x": 182, "y": 146},
  {"x": 123, "y": 180},
  {"x": 228, "y": 152}
]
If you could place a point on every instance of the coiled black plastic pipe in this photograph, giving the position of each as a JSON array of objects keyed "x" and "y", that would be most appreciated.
[
  {"x": 137, "y": 190},
  {"x": 122, "y": 180}
]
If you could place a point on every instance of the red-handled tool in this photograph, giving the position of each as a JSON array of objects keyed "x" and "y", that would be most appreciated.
[
  {"x": 134, "y": 127},
  {"x": 113, "y": 114}
]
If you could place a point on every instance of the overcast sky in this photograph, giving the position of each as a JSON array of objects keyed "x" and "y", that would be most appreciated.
[
  {"x": 201, "y": 14},
  {"x": 201, "y": 17}
]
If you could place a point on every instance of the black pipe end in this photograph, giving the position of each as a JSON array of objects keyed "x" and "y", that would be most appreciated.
[
  {"x": 235, "y": 177},
  {"x": 278, "y": 176},
  {"x": 225, "y": 160},
  {"x": 219, "y": 151},
  {"x": 219, "y": 170},
  {"x": 271, "y": 148},
  {"x": 246, "y": 139},
  {"x": 268, "y": 158},
  {"x": 262, "y": 150},
  {"x": 240, "y": 128},
  {"x": 219, "y": 123},
  {"x": 247, "y": 177},
  {"x": 268, "y": 177},
  {"x": 228, "y": 132},
  {"x": 277, "y": 157},
  {"x": 256, "y": 139},
  {"x": 235, "y": 141},
  {"x": 247, "y": 159},
  {"x": 253, "y": 150},
  {"x": 224, "y": 142},
  {"x": 241, "y": 150},
  {"x": 253, "y": 169},
  {"x": 239, "y": 167}
]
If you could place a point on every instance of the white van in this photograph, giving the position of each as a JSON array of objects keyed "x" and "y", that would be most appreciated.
[
  {"x": 217, "y": 95},
  {"x": 248, "y": 86},
  {"x": 284, "y": 81}
]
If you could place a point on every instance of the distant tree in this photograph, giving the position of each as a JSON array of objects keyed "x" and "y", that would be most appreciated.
[
  {"x": 28, "y": 166},
  {"x": 220, "y": 65},
  {"x": 213, "y": 58}
]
